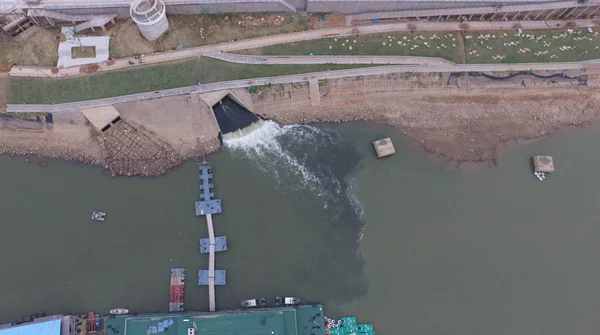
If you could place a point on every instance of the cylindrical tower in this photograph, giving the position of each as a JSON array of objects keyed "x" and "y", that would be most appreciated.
[{"x": 150, "y": 16}]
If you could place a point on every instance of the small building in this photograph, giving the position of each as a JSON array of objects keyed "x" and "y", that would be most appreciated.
[
  {"x": 543, "y": 164},
  {"x": 102, "y": 118},
  {"x": 384, "y": 147},
  {"x": 50, "y": 325}
]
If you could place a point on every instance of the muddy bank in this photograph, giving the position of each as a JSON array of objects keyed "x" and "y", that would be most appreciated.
[
  {"x": 463, "y": 127},
  {"x": 127, "y": 150},
  {"x": 466, "y": 128},
  {"x": 40, "y": 145}
]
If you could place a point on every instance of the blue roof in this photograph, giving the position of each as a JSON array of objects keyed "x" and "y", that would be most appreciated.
[{"x": 51, "y": 327}]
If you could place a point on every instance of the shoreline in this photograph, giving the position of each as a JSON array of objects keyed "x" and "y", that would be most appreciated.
[
  {"x": 464, "y": 130},
  {"x": 471, "y": 130}
]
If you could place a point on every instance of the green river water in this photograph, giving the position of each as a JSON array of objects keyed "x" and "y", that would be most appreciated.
[{"x": 405, "y": 243}]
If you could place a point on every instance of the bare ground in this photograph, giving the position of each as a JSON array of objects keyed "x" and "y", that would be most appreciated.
[
  {"x": 463, "y": 127},
  {"x": 458, "y": 125},
  {"x": 38, "y": 46},
  {"x": 196, "y": 30},
  {"x": 3, "y": 88},
  {"x": 68, "y": 142}
]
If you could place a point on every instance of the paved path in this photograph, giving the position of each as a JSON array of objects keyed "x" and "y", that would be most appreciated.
[
  {"x": 438, "y": 64},
  {"x": 350, "y": 59},
  {"x": 379, "y": 70},
  {"x": 32, "y": 71},
  {"x": 489, "y": 9}
]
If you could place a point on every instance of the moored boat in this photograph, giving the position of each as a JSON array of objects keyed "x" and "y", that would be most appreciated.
[
  {"x": 287, "y": 301},
  {"x": 257, "y": 302},
  {"x": 98, "y": 215},
  {"x": 118, "y": 311},
  {"x": 91, "y": 322}
]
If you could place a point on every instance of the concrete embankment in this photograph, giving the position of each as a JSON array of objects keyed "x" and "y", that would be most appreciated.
[{"x": 461, "y": 119}]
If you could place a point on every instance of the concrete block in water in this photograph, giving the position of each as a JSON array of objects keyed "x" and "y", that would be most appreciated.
[
  {"x": 384, "y": 147},
  {"x": 543, "y": 164}
]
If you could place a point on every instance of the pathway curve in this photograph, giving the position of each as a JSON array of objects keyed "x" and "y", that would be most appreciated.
[
  {"x": 348, "y": 59},
  {"x": 123, "y": 63}
]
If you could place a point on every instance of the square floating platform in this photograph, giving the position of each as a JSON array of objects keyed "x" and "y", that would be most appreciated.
[
  {"x": 208, "y": 207},
  {"x": 178, "y": 272},
  {"x": 220, "y": 277},
  {"x": 220, "y": 244},
  {"x": 176, "y": 307},
  {"x": 543, "y": 164},
  {"x": 384, "y": 147}
]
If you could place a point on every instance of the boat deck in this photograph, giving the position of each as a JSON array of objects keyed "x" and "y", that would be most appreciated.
[{"x": 303, "y": 320}]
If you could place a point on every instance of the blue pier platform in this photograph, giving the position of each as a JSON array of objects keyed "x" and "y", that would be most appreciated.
[
  {"x": 207, "y": 205},
  {"x": 220, "y": 244},
  {"x": 220, "y": 277}
]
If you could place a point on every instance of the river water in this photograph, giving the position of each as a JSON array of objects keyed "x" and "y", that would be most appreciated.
[{"x": 405, "y": 243}]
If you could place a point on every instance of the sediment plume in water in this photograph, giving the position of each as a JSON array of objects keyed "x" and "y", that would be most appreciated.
[
  {"x": 304, "y": 157},
  {"x": 317, "y": 165}
]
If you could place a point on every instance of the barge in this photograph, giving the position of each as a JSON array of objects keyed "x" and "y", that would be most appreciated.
[{"x": 281, "y": 320}]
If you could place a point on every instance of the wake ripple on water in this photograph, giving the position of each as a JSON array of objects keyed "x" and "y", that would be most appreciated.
[{"x": 304, "y": 157}]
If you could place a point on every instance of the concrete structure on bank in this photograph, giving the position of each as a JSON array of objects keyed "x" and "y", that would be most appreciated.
[
  {"x": 65, "y": 49},
  {"x": 102, "y": 118},
  {"x": 122, "y": 7},
  {"x": 151, "y": 17}
]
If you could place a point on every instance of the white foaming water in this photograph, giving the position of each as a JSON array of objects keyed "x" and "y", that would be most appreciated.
[
  {"x": 260, "y": 140},
  {"x": 300, "y": 151}
]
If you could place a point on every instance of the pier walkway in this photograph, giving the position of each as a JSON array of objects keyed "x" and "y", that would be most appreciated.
[
  {"x": 207, "y": 207},
  {"x": 211, "y": 263}
]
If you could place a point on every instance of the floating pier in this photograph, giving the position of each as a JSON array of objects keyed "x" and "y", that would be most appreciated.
[
  {"x": 220, "y": 244},
  {"x": 207, "y": 207},
  {"x": 384, "y": 147},
  {"x": 177, "y": 290}
]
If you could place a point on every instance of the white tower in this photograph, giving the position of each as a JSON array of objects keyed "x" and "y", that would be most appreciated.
[{"x": 150, "y": 16}]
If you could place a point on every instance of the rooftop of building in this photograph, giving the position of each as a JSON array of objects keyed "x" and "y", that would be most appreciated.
[
  {"x": 44, "y": 326},
  {"x": 301, "y": 320}
]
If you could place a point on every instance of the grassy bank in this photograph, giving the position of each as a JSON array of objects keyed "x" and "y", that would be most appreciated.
[
  {"x": 144, "y": 79},
  {"x": 532, "y": 46},
  {"x": 481, "y": 47},
  {"x": 444, "y": 45}
]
